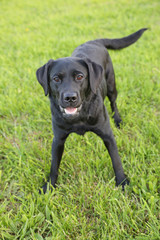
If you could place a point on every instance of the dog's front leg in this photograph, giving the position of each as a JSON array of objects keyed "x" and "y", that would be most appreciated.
[
  {"x": 57, "y": 151},
  {"x": 105, "y": 132},
  {"x": 111, "y": 146}
]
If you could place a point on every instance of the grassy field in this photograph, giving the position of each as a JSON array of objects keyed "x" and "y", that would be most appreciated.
[{"x": 86, "y": 204}]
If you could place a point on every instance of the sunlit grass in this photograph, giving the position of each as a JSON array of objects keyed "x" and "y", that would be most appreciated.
[{"x": 86, "y": 203}]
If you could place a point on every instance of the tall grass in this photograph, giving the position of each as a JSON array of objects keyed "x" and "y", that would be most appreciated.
[{"x": 86, "y": 203}]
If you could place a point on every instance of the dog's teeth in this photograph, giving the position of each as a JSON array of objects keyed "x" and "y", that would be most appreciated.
[{"x": 70, "y": 110}]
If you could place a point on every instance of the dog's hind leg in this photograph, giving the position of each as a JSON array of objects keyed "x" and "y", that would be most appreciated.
[{"x": 112, "y": 95}]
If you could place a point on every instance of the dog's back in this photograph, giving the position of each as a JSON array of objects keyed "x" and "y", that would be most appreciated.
[{"x": 94, "y": 49}]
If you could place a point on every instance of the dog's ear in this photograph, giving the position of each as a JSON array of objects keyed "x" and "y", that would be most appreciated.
[
  {"x": 42, "y": 75},
  {"x": 95, "y": 74}
]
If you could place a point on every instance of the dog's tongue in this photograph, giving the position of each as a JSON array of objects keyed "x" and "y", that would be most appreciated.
[{"x": 70, "y": 110}]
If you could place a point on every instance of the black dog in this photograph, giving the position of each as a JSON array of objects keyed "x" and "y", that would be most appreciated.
[{"x": 77, "y": 86}]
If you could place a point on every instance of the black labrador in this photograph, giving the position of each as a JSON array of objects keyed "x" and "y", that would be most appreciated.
[{"x": 77, "y": 86}]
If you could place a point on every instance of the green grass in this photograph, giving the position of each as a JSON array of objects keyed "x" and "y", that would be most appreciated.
[{"x": 86, "y": 204}]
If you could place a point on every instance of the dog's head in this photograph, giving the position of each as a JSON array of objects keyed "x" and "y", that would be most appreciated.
[{"x": 68, "y": 80}]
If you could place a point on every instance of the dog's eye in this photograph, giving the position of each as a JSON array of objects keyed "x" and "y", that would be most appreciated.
[
  {"x": 79, "y": 77},
  {"x": 56, "y": 79}
]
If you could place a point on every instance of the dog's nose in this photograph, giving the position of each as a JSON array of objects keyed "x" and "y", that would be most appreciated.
[{"x": 70, "y": 97}]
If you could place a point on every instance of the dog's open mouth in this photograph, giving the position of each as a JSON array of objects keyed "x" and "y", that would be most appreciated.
[{"x": 70, "y": 111}]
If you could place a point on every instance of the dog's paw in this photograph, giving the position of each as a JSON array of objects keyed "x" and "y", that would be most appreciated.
[
  {"x": 117, "y": 120},
  {"x": 122, "y": 183},
  {"x": 46, "y": 187}
]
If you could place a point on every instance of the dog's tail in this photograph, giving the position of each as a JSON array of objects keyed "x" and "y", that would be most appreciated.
[{"x": 119, "y": 43}]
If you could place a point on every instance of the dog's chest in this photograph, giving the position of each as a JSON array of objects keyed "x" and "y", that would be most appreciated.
[{"x": 80, "y": 129}]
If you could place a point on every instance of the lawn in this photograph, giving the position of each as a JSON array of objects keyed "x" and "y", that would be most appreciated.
[{"x": 86, "y": 204}]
